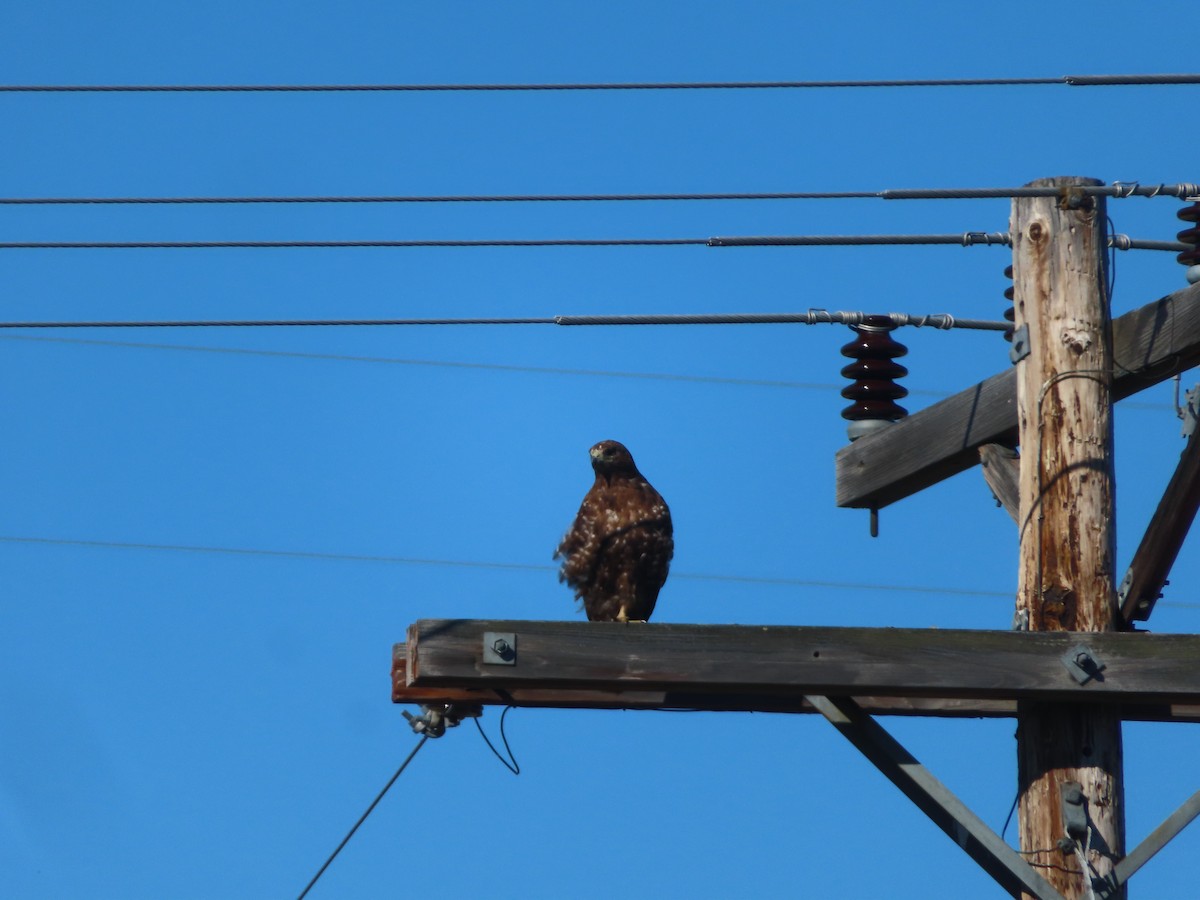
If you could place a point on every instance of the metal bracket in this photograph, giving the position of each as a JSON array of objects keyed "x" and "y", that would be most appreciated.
[
  {"x": 1083, "y": 665},
  {"x": 1074, "y": 811},
  {"x": 1020, "y": 345},
  {"x": 1191, "y": 411},
  {"x": 1123, "y": 590},
  {"x": 499, "y": 648},
  {"x": 435, "y": 718}
]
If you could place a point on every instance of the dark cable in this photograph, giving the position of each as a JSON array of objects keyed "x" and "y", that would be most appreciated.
[
  {"x": 465, "y": 198},
  {"x": 813, "y": 317},
  {"x": 278, "y": 323},
  {"x": 1070, "y": 80},
  {"x": 514, "y": 766},
  {"x": 966, "y": 239},
  {"x": 1112, "y": 261},
  {"x": 363, "y": 817},
  {"x": 275, "y": 245},
  {"x": 1012, "y": 809},
  {"x": 1116, "y": 190}
]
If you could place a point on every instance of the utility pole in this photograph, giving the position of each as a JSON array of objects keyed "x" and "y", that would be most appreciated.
[
  {"x": 1069, "y": 755},
  {"x": 1068, "y": 671}
]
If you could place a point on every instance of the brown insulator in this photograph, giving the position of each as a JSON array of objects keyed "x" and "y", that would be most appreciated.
[
  {"x": 1010, "y": 313},
  {"x": 873, "y": 373}
]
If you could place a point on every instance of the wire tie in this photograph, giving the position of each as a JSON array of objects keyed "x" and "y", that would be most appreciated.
[
  {"x": 1128, "y": 187},
  {"x": 975, "y": 237}
]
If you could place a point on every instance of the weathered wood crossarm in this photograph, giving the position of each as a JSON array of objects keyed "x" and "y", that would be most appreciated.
[
  {"x": 737, "y": 667},
  {"x": 1150, "y": 345}
]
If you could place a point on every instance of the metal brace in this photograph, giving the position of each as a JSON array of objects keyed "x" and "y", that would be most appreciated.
[
  {"x": 499, "y": 648},
  {"x": 1020, "y": 345},
  {"x": 1083, "y": 665}
]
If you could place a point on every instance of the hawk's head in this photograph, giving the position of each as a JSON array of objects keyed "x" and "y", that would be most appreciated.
[{"x": 610, "y": 458}]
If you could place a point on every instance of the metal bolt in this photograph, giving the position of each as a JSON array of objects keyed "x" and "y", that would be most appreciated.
[{"x": 500, "y": 645}]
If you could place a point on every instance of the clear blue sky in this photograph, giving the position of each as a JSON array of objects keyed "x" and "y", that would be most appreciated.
[{"x": 194, "y": 724}]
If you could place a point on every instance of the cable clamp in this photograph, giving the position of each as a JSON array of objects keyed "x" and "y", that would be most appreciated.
[
  {"x": 435, "y": 718},
  {"x": 1190, "y": 413}
]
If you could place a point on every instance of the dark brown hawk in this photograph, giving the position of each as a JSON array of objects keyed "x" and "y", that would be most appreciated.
[{"x": 617, "y": 552}]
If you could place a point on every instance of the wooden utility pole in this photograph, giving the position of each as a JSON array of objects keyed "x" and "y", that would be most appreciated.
[{"x": 1067, "y": 533}]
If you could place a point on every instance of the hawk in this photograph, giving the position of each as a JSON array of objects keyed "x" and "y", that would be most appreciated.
[{"x": 616, "y": 553}]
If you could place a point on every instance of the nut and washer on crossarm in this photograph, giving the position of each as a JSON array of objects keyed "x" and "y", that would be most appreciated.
[
  {"x": 1083, "y": 665},
  {"x": 499, "y": 648}
]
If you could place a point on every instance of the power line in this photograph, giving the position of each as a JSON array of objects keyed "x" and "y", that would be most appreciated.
[
  {"x": 363, "y": 817},
  {"x": 942, "y": 321},
  {"x": 491, "y": 367},
  {"x": 529, "y": 567},
  {"x": 452, "y": 364},
  {"x": 274, "y": 245},
  {"x": 1117, "y": 189},
  {"x": 964, "y": 239},
  {"x": 474, "y": 564},
  {"x": 1069, "y": 80}
]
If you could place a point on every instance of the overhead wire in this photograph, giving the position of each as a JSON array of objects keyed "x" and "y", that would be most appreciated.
[
  {"x": 452, "y": 364},
  {"x": 321, "y": 871},
  {"x": 940, "y": 321},
  {"x": 489, "y": 367},
  {"x": 1068, "y": 80},
  {"x": 964, "y": 239},
  {"x": 1118, "y": 190},
  {"x": 476, "y": 564},
  {"x": 528, "y": 567}
]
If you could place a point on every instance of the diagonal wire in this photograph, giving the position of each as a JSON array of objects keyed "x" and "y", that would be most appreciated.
[
  {"x": 528, "y": 567},
  {"x": 494, "y": 367},
  {"x": 480, "y": 564},
  {"x": 363, "y": 817}
]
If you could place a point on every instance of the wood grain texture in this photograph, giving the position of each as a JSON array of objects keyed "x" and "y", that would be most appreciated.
[
  {"x": 1067, "y": 520},
  {"x": 1150, "y": 345},
  {"x": 774, "y": 660},
  {"x": 1001, "y": 471},
  {"x": 495, "y": 693}
]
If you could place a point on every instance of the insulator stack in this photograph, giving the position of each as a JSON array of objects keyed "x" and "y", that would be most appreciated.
[
  {"x": 1010, "y": 313},
  {"x": 874, "y": 392},
  {"x": 1191, "y": 236}
]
